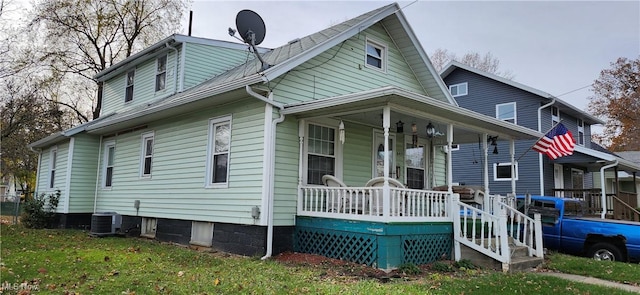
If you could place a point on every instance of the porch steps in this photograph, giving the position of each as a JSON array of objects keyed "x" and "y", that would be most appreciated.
[{"x": 520, "y": 260}]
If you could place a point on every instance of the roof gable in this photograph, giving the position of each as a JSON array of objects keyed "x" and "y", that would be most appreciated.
[{"x": 562, "y": 105}]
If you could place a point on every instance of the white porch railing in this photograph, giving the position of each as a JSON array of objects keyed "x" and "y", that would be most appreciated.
[
  {"x": 368, "y": 204},
  {"x": 491, "y": 231}
]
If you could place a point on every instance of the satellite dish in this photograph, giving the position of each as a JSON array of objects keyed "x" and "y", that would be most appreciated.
[{"x": 250, "y": 27}]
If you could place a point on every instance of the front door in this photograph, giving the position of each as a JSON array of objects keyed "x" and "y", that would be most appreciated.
[
  {"x": 415, "y": 163},
  {"x": 378, "y": 156}
]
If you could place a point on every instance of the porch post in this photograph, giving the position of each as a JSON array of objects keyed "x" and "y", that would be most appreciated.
[
  {"x": 512, "y": 150},
  {"x": 485, "y": 173},
  {"x": 449, "y": 164},
  {"x": 386, "y": 193},
  {"x": 301, "y": 127}
]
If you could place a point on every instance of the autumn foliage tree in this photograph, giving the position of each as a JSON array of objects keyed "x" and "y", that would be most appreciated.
[
  {"x": 486, "y": 63},
  {"x": 617, "y": 98}
]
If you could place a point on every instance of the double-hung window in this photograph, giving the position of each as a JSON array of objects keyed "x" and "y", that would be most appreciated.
[
  {"x": 502, "y": 171},
  {"x": 376, "y": 55},
  {"x": 580, "y": 132},
  {"x": 146, "y": 155},
  {"x": 109, "y": 160},
  {"x": 459, "y": 89},
  {"x": 506, "y": 112},
  {"x": 53, "y": 157},
  {"x": 161, "y": 72},
  {"x": 321, "y": 153},
  {"x": 129, "y": 90},
  {"x": 218, "y": 154}
]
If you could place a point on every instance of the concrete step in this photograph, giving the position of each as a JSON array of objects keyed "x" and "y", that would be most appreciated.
[{"x": 524, "y": 263}]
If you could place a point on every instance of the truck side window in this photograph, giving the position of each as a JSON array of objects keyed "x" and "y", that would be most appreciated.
[
  {"x": 572, "y": 209},
  {"x": 548, "y": 212}
]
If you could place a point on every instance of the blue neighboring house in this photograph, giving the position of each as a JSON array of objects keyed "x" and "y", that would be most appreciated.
[{"x": 576, "y": 175}]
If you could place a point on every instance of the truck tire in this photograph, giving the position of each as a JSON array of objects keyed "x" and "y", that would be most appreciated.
[{"x": 605, "y": 251}]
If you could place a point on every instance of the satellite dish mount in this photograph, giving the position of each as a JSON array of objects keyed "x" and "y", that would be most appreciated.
[{"x": 252, "y": 30}]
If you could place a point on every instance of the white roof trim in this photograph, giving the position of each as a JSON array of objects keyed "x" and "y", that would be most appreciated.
[{"x": 607, "y": 157}]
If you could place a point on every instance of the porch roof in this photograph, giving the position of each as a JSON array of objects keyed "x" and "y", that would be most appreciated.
[
  {"x": 365, "y": 107},
  {"x": 593, "y": 160}
]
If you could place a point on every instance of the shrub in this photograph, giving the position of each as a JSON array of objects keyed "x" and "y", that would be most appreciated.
[
  {"x": 409, "y": 269},
  {"x": 442, "y": 267},
  {"x": 464, "y": 264},
  {"x": 40, "y": 211}
]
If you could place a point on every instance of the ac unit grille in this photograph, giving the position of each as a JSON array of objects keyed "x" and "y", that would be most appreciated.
[{"x": 105, "y": 223}]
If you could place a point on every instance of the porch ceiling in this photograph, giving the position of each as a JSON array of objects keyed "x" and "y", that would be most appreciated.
[{"x": 366, "y": 108}]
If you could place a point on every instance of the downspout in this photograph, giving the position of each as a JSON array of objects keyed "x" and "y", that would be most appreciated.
[
  {"x": 272, "y": 158},
  {"x": 603, "y": 197},
  {"x": 95, "y": 195},
  {"x": 540, "y": 160}
]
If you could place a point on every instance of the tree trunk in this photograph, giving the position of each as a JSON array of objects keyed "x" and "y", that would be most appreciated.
[{"x": 96, "y": 111}]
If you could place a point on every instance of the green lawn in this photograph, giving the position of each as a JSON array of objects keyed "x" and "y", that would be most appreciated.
[{"x": 68, "y": 262}]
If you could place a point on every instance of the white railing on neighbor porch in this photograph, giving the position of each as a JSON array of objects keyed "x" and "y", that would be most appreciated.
[
  {"x": 496, "y": 230},
  {"x": 368, "y": 204}
]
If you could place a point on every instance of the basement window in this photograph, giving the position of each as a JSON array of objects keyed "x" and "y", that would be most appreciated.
[
  {"x": 149, "y": 226},
  {"x": 201, "y": 233}
]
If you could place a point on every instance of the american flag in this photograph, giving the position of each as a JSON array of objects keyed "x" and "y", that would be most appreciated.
[{"x": 556, "y": 143}]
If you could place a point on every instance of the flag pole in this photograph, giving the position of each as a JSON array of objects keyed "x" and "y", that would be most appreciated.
[{"x": 545, "y": 134}]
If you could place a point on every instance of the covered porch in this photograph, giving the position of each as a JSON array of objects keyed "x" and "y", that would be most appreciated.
[
  {"x": 610, "y": 192},
  {"x": 371, "y": 175}
]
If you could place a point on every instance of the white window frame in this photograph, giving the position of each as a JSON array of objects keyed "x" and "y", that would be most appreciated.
[
  {"x": 161, "y": 72},
  {"x": 408, "y": 141},
  {"x": 337, "y": 149},
  {"x": 148, "y": 136},
  {"x": 105, "y": 163},
  {"x": 213, "y": 123},
  {"x": 128, "y": 86},
  {"x": 581, "y": 139},
  {"x": 555, "y": 119},
  {"x": 495, "y": 171},
  {"x": 383, "y": 54},
  {"x": 457, "y": 87},
  {"x": 53, "y": 158},
  {"x": 455, "y": 147},
  {"x": 515, "y": 112}
]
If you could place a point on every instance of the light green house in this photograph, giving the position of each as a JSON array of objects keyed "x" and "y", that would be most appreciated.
[{"x": 195, "y": 144}]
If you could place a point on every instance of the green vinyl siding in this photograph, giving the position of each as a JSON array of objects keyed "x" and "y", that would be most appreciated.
[
  {"x": 439, "y": 166},
  {"x": 60, "y": 182},
  {"x": 143, "y": 85},
  {"x": 176, "y": 188},
  {"x": 203, "y": 62},
  {"x": 83, "y": 173},
  {"x": 341, "y": 70},
  {"x": 357, "y": 154},
  {"x": 286, "y": 172}
]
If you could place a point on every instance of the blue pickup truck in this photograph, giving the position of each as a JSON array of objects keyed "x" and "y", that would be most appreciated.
[{"x": 566, "y": 229}]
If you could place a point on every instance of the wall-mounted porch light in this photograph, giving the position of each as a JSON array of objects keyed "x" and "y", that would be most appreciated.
[
  {"x": 431, "y": 130},
  {"x": 400, "y": 127},
  {"x": 492, "y": 140}
]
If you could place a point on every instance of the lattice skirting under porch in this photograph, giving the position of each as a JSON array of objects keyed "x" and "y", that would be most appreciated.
[{"x": 375, "y": 244}]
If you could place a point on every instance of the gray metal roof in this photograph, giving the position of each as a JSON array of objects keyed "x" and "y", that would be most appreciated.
[{"x": 562, "y": 105}]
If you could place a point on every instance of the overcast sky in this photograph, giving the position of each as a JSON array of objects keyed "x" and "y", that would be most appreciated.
[{"x": 556, "y": 47}]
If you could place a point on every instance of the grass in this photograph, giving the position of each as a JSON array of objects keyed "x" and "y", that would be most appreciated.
[
  {"x": 70, "y": 262},
  {"x": 607, "y": 270}
]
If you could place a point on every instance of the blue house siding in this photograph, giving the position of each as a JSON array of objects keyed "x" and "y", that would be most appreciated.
[{"x": 483, "y": 94}]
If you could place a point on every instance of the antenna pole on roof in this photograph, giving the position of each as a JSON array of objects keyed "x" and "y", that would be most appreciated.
[{"x": 190, "y": 20}]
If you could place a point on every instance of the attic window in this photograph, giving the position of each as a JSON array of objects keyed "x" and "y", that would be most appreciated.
[
  {"x": 129, "y": 91},
  {"x": 459, "y": 89},
  {"x": 376, "y": 55},
  {"x": 580, "y": 132},
  {"x": 161, "y": 72}
]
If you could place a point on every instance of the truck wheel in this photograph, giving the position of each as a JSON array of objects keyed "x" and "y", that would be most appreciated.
[{"x": 605, "y": 251}]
